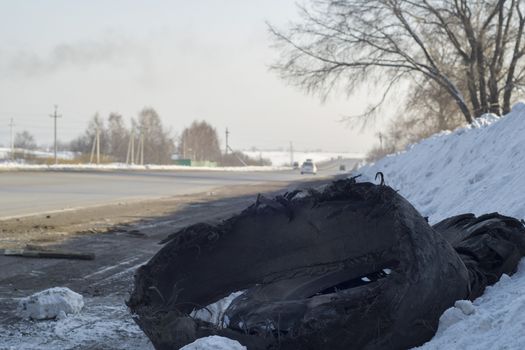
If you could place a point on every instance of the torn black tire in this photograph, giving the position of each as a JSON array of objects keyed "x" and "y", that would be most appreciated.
[{"x": 352, "y": 267}]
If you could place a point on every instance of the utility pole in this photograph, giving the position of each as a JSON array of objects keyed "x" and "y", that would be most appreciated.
[
  {"x": 55, "y": 116},
  {"x": 11, "y": 125},
  {"x": 96, "y": 146},
  {"x": 380, "y": 141},
  {"x": 227, "y": 147},
  {"x": 140, "y": 155},
  {"x": 131, "y": 148},
  {"x": 291, "y": 153}
]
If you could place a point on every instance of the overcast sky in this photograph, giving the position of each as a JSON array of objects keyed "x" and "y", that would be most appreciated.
[{"x": 189, "y": 60}]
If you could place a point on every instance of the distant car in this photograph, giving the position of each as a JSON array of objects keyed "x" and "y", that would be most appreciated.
[
  {"x": 295, "y": 165},
  {"x": 308, "y": 167},
  {"x": 342, "y": 167}
]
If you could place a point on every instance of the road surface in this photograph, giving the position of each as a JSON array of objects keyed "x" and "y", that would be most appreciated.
[{"x": 31, "y": 192}]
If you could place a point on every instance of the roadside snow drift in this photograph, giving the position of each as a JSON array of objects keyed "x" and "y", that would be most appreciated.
[
  {"x": 51, "y": 303},
  {"x": 478, "y": 169}
]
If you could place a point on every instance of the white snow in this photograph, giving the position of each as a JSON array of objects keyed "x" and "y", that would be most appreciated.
[
  {"x": 475, "y": 169},
  {"x": 496, "y": 320},
  {"x": 55, "y": 302},
  {"x": 214, "y": 342},
  {"x": 479, "y": 169}
]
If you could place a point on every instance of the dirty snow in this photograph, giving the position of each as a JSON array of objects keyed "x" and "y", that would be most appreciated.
[
  {"x": 55, "y": 302},
  {"x": 104, "y": 323}
]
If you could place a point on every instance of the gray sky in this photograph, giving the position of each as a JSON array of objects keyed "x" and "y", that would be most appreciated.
[{"x": 189, "y": 60}]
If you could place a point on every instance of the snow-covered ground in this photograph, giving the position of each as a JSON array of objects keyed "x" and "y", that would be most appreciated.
[
  {"x": 103, "y": 323},
  {"x": 477, "y": 169},
  {"x": 283, "y": 158}
]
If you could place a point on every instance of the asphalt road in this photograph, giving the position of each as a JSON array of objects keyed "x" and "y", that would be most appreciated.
[{"x": 26, "y": 193}]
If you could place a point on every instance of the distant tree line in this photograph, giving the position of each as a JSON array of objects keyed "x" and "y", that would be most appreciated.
[
  {"x": 116, "y": 138},
  {"x": 198, "y": 142}
]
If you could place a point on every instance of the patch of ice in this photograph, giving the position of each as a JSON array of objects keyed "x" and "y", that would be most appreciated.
[{"x": 51, "y": 303}]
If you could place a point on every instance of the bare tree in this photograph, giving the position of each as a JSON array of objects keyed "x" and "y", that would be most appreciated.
[
  {"x": 24, "y": 140},
  {"x": 471, "y": 50},
  {"x": 84, "y": 143},
  {"x": 118, "y": 137},
  {"x": 159, "y": 145},
  {"x": 200, "y": 142}
]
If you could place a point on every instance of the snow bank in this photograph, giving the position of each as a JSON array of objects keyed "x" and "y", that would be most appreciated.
[
  {"x": 214, "y": 342},
  {"x": 495, "y": 320},
  {"x": 475, "y": 169},
  {"x": 51, "y": 303}
]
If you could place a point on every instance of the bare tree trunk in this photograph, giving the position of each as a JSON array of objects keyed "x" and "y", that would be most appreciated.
[{"x": 518, "y": 53}]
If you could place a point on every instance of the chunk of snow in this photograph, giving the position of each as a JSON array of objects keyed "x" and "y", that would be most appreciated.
[
  {"x": 214, "y": 342},
  {"x": 51, "y": 303},
  {"x": 465, "y": 306}
]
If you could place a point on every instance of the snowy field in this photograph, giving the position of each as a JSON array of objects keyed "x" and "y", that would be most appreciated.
[
  {"x": 475, "y": 169},
  {"x": 282, "y": 158},
  {"x": 5, "y": 153}
]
